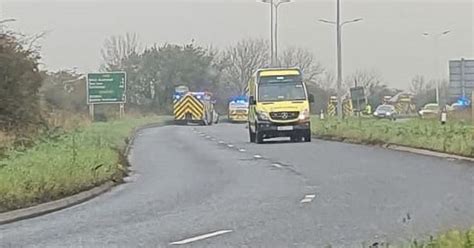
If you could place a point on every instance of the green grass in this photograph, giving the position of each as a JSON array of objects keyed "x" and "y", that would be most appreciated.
[
  {"x": 61, "y": 166},
  {"x": 454, "y": 138},
  {"x": 452, "y": 239}
]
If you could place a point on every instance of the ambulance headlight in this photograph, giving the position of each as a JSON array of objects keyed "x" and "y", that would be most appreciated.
[{"x": 263, "y": 116}]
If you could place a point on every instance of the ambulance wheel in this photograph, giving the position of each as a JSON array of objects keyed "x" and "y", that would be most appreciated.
[
  {"x": 307, "y": 136},
  {"x": 251, "y": 135},
  {"x": 258, "y": 137}
]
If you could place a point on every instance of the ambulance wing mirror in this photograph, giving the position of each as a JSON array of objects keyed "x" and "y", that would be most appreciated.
[
  {"x": 311, "y": 98},
  {"x": 252, "y": 100}
]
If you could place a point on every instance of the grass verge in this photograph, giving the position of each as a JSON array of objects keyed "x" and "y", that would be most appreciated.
[
  {"x": 452, "y": 239},
  {"x": 65, "y": 165},
  {"x": 453, "y": 138}
]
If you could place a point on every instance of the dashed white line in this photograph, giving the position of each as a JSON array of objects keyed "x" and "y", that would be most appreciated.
[
  {"x": 200, "y": 237},
  {"x": 257, "y": 156},
  {"x": 230, "y": 145},
  {"x": 242, "y": 150},
  {"x": 220, "y": 142},
  {"x": 308, "y": 198},
  {"x": 208, "y": 137},
  {"x": 277, "y": 165}
]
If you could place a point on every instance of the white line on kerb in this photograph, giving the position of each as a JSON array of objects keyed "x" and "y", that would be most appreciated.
[{"x": 200, "y": 237}]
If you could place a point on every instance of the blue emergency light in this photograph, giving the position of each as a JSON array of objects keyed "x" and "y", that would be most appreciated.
[
  {"x": 177, "y": 96},
  {"x": 239, "y": 99},
  {"x": 464, "y": 101}
]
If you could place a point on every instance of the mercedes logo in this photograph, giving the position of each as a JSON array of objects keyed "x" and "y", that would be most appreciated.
[{"x": 284, "y": 116}]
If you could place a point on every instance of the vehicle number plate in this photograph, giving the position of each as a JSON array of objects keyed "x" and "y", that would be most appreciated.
[{"x": 285, "y": 128}]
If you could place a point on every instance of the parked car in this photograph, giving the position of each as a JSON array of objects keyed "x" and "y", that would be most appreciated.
[
  {"x": 430, "y": 110},
  {"x": 386, "y": 111}
]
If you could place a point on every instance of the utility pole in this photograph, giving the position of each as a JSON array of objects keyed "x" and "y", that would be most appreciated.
[
  {"x": 274, "y": 4},
  {"x": 272, "y": 55},
  {"x": 436, "y": 74},
  {"x": 339, "y": 26},
  {"x": 339, "y": 60}
]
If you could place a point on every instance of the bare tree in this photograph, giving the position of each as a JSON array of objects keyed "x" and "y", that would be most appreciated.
[
  {"x": 327, "y": 81},
  {"x": 303, "y": 59},
  {"x": 241, "y": 60},
  {"x": 118, "y": 49},
  {"x": 418, "y": 85}
]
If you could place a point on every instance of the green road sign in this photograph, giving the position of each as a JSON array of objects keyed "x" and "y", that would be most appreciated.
[
  {"x": 106, "y": 87},
  {"x": 357, "y": 93}
]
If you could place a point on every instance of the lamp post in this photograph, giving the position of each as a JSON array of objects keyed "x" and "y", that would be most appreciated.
[
  {"x": 339, "y": 26},
  {"x": 274, "y": 4},
  {"x": 436, "y": 75}
]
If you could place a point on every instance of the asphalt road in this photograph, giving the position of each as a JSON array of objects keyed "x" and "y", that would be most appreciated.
[{"x": 197, "y": 186}]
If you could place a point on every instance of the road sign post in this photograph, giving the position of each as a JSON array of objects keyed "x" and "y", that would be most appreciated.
[
  {"x": 106, "y": 88},
  {"x": 91, "y": 111},
  {"x": 122, "y": 110}
]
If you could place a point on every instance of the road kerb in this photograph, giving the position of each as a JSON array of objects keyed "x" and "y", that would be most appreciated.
[
  {"x": 428, "y": 153},
  {"x": 53, "y": 206},
  {"x": 49, "y": 207}
]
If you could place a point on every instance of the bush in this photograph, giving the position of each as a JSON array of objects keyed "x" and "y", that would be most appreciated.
[{"x": 21, "y": 80}]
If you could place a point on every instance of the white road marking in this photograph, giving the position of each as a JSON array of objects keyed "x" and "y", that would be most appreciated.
[
  {"x": 230, "y": 145},
  {"x": 308, "y": 198},
  {"x": 221, "y": 142},
  {"x": 208, "y": 137},
  {"x": 277, "y": 165},
  {"x": 200, "y": 237},
  {"x": 242, "y": 150},
  {"x": 257, "y": 156}
]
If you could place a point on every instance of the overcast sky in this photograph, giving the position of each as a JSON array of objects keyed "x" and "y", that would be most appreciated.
[{"x": 389, "y": 40}]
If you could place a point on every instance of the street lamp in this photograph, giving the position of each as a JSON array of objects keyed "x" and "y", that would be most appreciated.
[
  {"x": 436, "y": 38},
  {"x": 339, "y": 26},
  {"x": 274, "y": 4}
]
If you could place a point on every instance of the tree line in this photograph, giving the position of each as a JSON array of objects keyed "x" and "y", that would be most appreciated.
[{"x": 28, "y": 95}]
